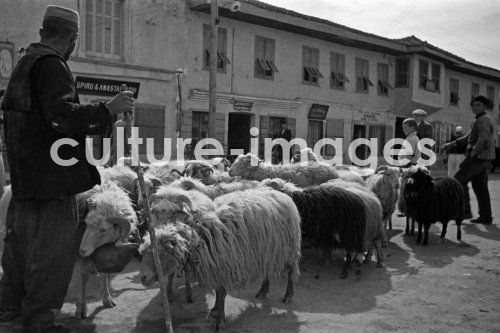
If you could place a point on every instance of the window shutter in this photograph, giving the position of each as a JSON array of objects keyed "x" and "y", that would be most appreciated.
[
  {"x": 186, "y": 124},
  {"x": 151, "y": 122}
]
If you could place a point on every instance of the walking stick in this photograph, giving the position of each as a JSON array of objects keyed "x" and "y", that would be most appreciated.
[
  {"x": 154, "y": 246},
  {"x": 156, "y": 256}
]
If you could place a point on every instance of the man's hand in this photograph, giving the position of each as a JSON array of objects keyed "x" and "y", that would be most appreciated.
[
  {"x": 123, "y": 102},
  {"x": 447, "y": 146}
]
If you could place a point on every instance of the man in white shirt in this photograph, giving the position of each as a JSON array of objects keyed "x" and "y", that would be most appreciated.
[{"x": 410, "y": 130}]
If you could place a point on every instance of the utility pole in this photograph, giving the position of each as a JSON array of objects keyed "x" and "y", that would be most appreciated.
[{"x": 212, "y": 93}]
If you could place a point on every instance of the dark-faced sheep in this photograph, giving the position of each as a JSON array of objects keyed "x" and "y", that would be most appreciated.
[
  {"x": 251, "y": 236},
  {"x": 429, "y": 200},
  {"x": 332, "y": 218},
  {"x": 251, "y": 167},
  {"x": 110, "y": 219}
]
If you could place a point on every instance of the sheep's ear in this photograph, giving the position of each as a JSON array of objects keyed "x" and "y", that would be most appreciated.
[
  {"x": 156, "y": 183},
  {"x": 185, "y": 208}
]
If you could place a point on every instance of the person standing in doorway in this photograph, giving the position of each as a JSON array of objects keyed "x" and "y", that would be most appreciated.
[
  {"x": 410, "y": 130},
  {"x": 285, "y": 134},
  {"x": 478, "y": 157}
]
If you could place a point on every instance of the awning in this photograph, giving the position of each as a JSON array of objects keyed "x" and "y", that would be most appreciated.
[{"x": 406, "y": 109}]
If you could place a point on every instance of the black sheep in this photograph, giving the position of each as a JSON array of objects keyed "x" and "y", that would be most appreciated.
[
  {"x": 429, "y": 200},
  {"x": 332, "y": 218}
]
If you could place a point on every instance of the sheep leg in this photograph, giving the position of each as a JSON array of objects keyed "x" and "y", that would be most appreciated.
[
  {"x": 264, "y": 289},
  {"x": 220, "y": 315},
  {"x": 380, "y": 254},
  {"x": 426, "y": 234},
  {"x": 443, "y": 231},
  {"x": 407, "y": 230},
  {"x": 81, "y": 304},
  {"x": 412, "y": 226},
  {"x": 419, "y": 235},
  {"x": 289, "y": 287},
  {"x": 390, "y": 222},
  {"x": 369, "y": 254},
  {"x": 188, "y": 291},
  {"x": 459, "y": 230},
  {"x": 107, "y": 300},
  {"x": 347, "y": 265}
]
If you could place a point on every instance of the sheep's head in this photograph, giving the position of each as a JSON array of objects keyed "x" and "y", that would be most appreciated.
[
  {"x": 110, "y": 218},
  {"x": 221, "y": 164},
  {"x": 200, "y": 170},
  {"x": 170, "y": 205},
  {"x": 151, "y": 185},
  {"x": 173, "y": 241},
  {"x": 244, "y": 166},
  {"x": 417, "y": 180},
  {"x": 392, "y": 174}
]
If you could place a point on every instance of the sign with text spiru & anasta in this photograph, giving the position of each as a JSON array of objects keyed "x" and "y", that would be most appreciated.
[{"x": 103, "y": 87}]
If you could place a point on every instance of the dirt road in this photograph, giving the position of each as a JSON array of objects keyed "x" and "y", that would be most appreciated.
[{"x": 448, "y": 286}]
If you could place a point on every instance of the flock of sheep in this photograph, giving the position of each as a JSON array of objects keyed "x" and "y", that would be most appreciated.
[{"x": 226, "y": 226}]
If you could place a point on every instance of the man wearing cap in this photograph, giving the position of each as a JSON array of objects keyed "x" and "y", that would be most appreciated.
[
  {"x": 456, "y": 153},
  {"x": 479, "y": 154},
  {"x": 43, "y": 235},
  {"x": 424, "y": 129}
]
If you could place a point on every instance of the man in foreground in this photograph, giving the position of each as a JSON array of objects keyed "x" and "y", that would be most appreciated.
[{"x": 42, "y": 232}]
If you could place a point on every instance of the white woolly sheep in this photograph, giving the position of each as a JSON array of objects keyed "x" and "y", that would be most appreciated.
[
  {"x": 301, "y": 175},
  {"x": 374, "y": 233},
  {"x": 110, "y": 219},
  {"x": 252, "y": 235},
  {"x": 216, "y": 190},
  {"x": 385, "y": 183}
]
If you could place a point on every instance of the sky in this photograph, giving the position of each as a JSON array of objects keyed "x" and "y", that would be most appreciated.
[{"x": 467, "y": 28}]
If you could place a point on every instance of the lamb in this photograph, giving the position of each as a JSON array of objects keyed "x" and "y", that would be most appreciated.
[
  {"x": 429, "y": 200},
  {"x": 375, "y": 232},
  {"x": 110, "y": 219},
  {"x": 301, "y": 175},
  {"x": 252, "y": 235},
  {"x": 216, "y": 190},
  {"x": 332, "y": 217},
  {"x": 385, "y": 183}
]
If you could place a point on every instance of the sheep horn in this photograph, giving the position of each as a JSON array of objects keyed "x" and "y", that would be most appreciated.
[
  {"x": 178, "y": 172},
  {"x": 156, "y": 183},
  {"x": 382, "y": 169},
  {"x": 124, "y": 226}
]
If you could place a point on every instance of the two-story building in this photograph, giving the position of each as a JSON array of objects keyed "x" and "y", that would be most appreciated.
[{"x": 323, "y": 79}]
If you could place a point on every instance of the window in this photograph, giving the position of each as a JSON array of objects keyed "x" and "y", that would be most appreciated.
[
  {"x": 264, "y": 66},
  {"x": 402, "y": 72},
  {"x": 490, "y": 94},
  {"x": 429, "y": 80},
  {"x": 383, "y": 79},
  {"x": 275, "y": 126},
  {"x": 378, "y": 132},
  {"x": 199, "y": 126},
  {"x": 222, "y": 59},
  {"x": 362, "y": 78},
  {"x": 310, "y": 65},
  {"x": 337, "y": 68},
  {"x": 436, "y": 74},
  {"x": 454, "y": 92},
  {"x": 474, "y": 90},
  {"x": 314, "y": 132},
  {"x": 104, "y": 28}
]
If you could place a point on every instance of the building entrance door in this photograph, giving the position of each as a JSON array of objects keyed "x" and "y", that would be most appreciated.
[
  {"x": 238, "y": 136},
  {"x": 360, "y": 132}
]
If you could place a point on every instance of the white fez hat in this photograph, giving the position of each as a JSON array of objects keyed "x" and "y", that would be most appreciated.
[
  {"x": 419, "y": 112},
  {"x": 61, "y": 16},
  {"x": 458, "y": 129}
]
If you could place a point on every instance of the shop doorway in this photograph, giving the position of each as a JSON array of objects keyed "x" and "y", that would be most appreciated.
[
  {"x": 361, "y": 150},
  {"x": 238, "y": 136}
]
